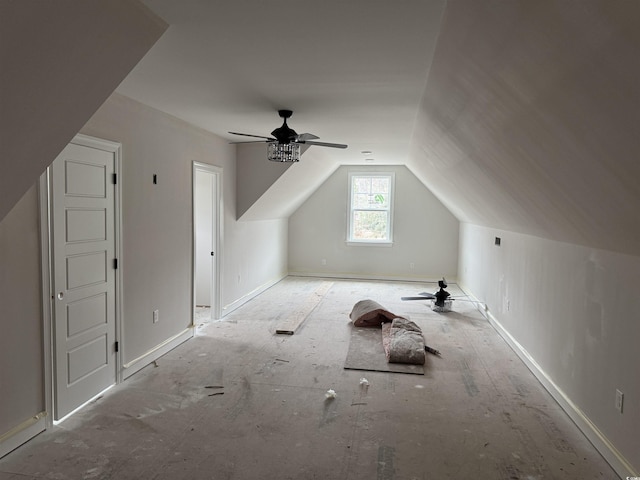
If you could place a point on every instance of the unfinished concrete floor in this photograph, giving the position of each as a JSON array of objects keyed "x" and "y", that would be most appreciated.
[{"x": 477, "y": 413}]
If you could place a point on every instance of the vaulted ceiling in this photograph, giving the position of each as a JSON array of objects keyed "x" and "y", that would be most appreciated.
[
  {"x": 59, "y": 61},
  {"x": 352, "y": 71},
  {"x": 530, "y": 119},
  {"x": 518, "y": 115}
]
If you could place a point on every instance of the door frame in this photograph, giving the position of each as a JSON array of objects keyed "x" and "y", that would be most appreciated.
[
  {"x": 218, "y": 222},
  {"x": 44, "y": 192}
]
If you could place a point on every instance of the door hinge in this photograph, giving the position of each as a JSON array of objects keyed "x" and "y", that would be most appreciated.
[
  {"x": 117, "y": 346},
  {"x": 115, "y": 263},
  {"x": 114, "y": 178}
]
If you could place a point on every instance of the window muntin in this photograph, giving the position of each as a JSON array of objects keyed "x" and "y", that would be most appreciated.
[{"x": 370, "y": 207}]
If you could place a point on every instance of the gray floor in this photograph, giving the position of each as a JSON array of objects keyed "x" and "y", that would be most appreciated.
[{"x": 477, "y": 413}]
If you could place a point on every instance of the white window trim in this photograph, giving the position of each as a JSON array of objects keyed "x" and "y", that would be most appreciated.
[{"x": 366, "y": 242}]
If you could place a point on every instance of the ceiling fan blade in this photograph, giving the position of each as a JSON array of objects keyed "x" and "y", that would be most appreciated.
[
  {"x": 303, "y": 137},
  {"x": 249, "y": 141},
  {"x": 325, "y": 144},
  {"x": 414, "y": 298},
  {"x": 271, "y": 139}
]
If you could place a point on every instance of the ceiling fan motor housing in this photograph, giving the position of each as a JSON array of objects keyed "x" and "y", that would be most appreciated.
[{"x": 284, "y": 134}]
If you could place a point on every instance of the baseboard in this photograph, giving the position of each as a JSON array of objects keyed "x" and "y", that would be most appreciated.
[
  {"x": 601, "y": 443},
  {"x": 380, "y": 278},
  {"x": 227, "y": 309},
  {"x": 142, "y": 361},
  {"x": 22, "y": 433}
]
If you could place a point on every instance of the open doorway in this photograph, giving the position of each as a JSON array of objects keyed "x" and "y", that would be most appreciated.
[{"x": 207, "y": 242}]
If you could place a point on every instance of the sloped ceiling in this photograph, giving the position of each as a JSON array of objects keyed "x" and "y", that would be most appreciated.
[
  {"x": 59, "y": 61},
  {"x": 520, "y": 115},
  {"x": 352, "y": 72},
  {"x": 531, "y": 116}
]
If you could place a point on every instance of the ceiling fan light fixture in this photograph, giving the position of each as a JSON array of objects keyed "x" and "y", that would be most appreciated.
[{"x": 283, "y": 152}]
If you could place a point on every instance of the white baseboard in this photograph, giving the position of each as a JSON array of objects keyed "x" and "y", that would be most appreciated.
[
  {"x": 608, "y": 451},
  {"x": 142, "y": 361},
  {"x": 381, "y": 278},
  {"x": 227, "y": 309},
  {"x": 22, "y": 433}
]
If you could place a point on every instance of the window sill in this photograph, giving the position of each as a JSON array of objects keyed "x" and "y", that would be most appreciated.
[{"x": 364, "y": 243}]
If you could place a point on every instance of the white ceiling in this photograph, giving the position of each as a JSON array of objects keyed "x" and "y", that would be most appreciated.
[
  {"x": 353, "y": 72},
  {"x": 519, "y": 115}
]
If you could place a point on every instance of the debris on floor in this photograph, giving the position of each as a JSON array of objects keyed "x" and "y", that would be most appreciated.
[
  {"x": 432, "y": 351},
  {"x": 364, "y": 386},
  {"x": 216, "y": 387},
  {"x": 331, "y": 393}
]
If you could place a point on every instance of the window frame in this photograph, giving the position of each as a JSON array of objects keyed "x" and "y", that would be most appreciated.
[{"x": 388, "y": 241}]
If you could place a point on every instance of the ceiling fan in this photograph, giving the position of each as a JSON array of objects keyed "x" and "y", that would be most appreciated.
[
  {"x": 284, "y": 144},
  {"x": 441, "y": 300}
]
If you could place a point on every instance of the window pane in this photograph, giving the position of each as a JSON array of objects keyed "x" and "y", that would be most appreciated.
[
  {"x": 361, "y": 184},
  {"x": 379, "y": 201},
  {"x": 370, "y": 225},
  {"x": 360, "y": 200},
  {"x": 379, "y": 185}
]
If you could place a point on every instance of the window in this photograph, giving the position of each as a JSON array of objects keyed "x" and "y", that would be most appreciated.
[{"x": 370, "y": 215}]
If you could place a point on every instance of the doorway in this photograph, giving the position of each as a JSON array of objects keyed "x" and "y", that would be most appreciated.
[
  {"x": 83, "y": 229},
  {"x": 207, "y": 241}
]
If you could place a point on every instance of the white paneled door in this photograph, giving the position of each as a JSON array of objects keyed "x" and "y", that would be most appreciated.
[{"x": 84, "y": 274}]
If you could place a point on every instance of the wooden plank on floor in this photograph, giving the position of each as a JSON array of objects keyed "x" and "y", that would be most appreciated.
[{"x": 290, "y": 324}]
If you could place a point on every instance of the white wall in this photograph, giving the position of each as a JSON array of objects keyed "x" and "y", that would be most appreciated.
[
  {"x": 425, "y": 233},
  {"x": 271, "y": 190},
  {"x": 254, "y": 174},
  {"x": 21, "y": 357},
  {"x": 157, "y": 250},
  {"x": 575, "y": 310}
]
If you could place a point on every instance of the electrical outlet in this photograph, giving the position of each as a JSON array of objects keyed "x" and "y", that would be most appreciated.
[
  {"x": 412, "y": 265},
  {"x": 323, "y": 261},
  {"x": 156, "y": 316},
  {"x": 619, "y": 400}
]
